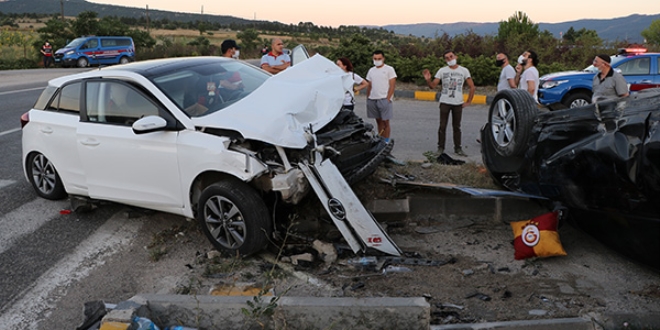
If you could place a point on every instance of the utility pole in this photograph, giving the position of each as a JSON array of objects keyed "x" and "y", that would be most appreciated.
[
  {"x": 147, "y": 18},
  {"x": 62, "y": 8}
]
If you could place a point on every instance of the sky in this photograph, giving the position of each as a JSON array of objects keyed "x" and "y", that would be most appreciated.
[{"x": 385, "y": 12}]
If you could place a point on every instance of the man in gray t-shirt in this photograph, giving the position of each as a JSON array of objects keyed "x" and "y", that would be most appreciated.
[{"x": 608, "y": 84}]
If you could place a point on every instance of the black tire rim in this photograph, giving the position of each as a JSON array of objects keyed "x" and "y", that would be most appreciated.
[
  {"x": 225, "y": 222},
  {"x": 503, "y": 122},
  {"x": 43, "y": 174}
]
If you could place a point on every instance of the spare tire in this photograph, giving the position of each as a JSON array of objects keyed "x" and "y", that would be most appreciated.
[{"x": 510, "y": 120}]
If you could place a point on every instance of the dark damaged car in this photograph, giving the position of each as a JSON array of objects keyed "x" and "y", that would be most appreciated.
[
  {"x": 601, "y": 161},
  {"x": 210, "y": 138}
]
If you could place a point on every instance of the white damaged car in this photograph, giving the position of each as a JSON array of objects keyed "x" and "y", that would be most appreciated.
[{"x": 208, "y": 138}]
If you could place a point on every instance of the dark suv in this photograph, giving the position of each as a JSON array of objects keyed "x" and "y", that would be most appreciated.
[{"x": 572, "y": 89}]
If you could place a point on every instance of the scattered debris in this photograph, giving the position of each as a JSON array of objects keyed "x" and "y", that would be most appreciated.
[
  {"x": 468, "y": 272},
  {"x": 301, "y": 257},
  {"x": 396, "y": 269},
  {"x": 447, "y": 160},
  {"x": 449, "y": 305},
  {"x": 327, "y": 251},
  {"x": 214, "y": 254},
  {"x": 93, "y": 312},
  {"x": 478, "y": 295},
  {"x": 427, "y": 165}
]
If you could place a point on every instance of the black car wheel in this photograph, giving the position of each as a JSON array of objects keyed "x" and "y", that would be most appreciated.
[
  {"x": 123, "y": 60},
  {"x": 44, "y": 178},
  {"x": 234, "y": 217},
  {"x": 82, "y": 62},
  {"x": 577, "y": 100},
  {"x": 510, "y": 121}
]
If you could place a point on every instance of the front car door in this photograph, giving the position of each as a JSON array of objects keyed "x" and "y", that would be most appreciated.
[
  {"x": 120, "y": 165},
  {"x": 640, "y": 72}
]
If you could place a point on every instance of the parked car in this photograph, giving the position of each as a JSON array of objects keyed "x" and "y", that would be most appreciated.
[
  {"x": 96, "y": 50},
  {"x": 601, "y": 161},
  {"x": 572, "y": 89},
  {"x": 208, "y": 138}
]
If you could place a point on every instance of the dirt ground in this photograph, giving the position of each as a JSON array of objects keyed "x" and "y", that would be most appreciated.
[{"x": 472, "y": 276}]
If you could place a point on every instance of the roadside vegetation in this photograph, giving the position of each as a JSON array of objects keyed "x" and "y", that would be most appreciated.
[{"x": 21, "y": 37}]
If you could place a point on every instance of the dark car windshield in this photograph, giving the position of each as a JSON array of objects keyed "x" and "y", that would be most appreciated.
[
  {"x": 75, "y": 43},
  {"x": 206, "y": 88}
]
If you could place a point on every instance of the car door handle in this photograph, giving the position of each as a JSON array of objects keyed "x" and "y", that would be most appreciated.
[
  {"x": 90, "y": 142},
  {"x": 46, "y": 130}
]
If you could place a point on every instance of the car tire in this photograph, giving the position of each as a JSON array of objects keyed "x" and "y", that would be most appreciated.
[
  {"x": 44, "y": 177},
  {"x": 234, "y": 217},
  {"x": 82, "y": 62},
  {"x": 577, "y": 100},
  {"x": 510, "y": 120},
  {"x": 123, "y": 60}
]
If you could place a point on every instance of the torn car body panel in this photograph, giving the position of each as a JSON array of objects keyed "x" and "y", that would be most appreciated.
[
  {"x": 347, "y": 212},
  {"x": 602, "y": 161}
]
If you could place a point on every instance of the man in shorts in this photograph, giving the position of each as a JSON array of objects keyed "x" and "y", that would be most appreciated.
[{"x": 382, "y": 80}]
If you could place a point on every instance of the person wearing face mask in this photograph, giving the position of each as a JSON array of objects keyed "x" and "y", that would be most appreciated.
[
  {"x": 527, "y": 76},
  {"x": 507, "y": 75},
  {"x": 229, "y": 48},
  {"x": 452, "y": 77},
  {"x": 346, "y": 65},
  {"x": 380, "y": 91},
  {"x": 231, "y": 83},
  {"x": 607, "y": 84}
]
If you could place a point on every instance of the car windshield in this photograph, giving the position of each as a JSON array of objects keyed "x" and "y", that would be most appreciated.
[
  {"x": 75, "y": 43},
  {"x": 207, "y": 88}
]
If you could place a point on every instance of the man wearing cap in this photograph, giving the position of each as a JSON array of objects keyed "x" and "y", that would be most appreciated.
[
  {"x": 608, "y": 84},
  {"x": 229, "y": 48},
  {"x": 276, "y": 61}
]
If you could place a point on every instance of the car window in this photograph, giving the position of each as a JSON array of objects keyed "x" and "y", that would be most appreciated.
[
  {"x": 636, "y": 66},
  {"x": 92, "y": 43},
  {"x": 105, "y": 42},
  {"x": 67, "y": 99},
  {"x": 208, "y": 88},
  {"x": 117, "y": 103},
  {"x": 45, "y": 96},
  {"x": 658, "y": 66}
]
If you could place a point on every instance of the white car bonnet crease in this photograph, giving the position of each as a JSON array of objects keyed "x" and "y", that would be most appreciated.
[{"x": 280, "y": 110}]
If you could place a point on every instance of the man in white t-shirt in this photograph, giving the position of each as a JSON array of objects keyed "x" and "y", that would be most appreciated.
[
  {"x": 527, "y": 76},
  {"x": 452, "y": 77},
  {"x": 380, "y": 91},
  {"x": 508, "y": 75}
]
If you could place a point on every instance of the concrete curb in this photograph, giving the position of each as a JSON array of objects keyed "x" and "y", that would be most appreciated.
[
  {"x": 552, "y": 324},
  {"x": 435, "y": 96}
]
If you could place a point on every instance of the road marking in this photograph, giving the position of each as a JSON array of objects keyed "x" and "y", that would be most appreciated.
[
  {"x": 10, "y": 131},
  {"x": 22, "y": 90},
  {"x": 37, "y": 303},
  {"x": 26, "y": 219},
  {"x": 4, "y": 183}
]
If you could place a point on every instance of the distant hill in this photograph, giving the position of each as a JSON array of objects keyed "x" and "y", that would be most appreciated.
[
  {"x": 75, "y": 7},
  {"x": 622, "y": 28}
]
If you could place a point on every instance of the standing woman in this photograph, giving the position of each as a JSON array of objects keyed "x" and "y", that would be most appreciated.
[{"x": 346, "y": 65}]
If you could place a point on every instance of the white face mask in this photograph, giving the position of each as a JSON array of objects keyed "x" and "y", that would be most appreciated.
[
  {"x": 452, "y": 62},
  {"x": 521, "y": 59},
  {"x": 378, "y": 63},
  {"x": 236, "y": 54}
]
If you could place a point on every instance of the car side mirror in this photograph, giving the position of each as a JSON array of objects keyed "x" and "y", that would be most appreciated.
[{"x": 149, "y": 124}]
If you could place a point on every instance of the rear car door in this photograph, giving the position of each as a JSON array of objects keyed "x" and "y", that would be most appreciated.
[{"x": 120, "y": 165}]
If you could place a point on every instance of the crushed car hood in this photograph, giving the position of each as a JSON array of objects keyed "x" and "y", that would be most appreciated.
[{"x": 279, "y": 111}]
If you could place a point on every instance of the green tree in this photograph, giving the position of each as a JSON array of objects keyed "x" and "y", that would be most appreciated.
[
  {"x": 249, "y": 39},
  {"x": 85, "y": 24},
  {"x": 357, "y": 48},
  {"x": 56, "y": 31},
  {"x": 652, "y": 33},
  {"x": 518, "y": 26}
]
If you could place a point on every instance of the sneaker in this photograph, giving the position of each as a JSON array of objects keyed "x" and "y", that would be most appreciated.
[{"x": 459, "y": 151}]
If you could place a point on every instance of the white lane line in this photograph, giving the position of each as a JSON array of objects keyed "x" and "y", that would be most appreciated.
[
  {"x": 4, "y": 183},
  {"x": 26, "y": 219},
  {"x": 10, "y": 131},
  {"x": 37, "y": 303},
  {"x": 21, "y": 90}
]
